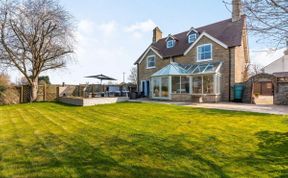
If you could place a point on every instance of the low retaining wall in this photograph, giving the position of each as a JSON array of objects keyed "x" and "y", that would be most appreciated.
[{"x": 91, "y": 101}]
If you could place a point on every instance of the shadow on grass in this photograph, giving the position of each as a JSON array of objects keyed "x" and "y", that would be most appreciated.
[
  {"x": 143, "y": 155},
  {"x": 274, "y": 147},
  {"x": 272, "y": 153}
]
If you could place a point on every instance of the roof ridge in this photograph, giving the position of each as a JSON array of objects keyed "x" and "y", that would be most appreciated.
[{"x": 221, "y": 21}]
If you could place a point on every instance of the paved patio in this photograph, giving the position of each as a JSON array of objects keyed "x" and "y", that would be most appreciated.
[{"x": 269, "y": 109}]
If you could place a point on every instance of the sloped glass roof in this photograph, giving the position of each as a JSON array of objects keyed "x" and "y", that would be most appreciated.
[
  {"x": 189, "y": 69},
  {"x": 171, "y": 69},
  {"x": 211, "y": 67}
]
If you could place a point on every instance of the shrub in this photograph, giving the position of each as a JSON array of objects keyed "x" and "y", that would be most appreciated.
[{"x": 8, "y": 93}]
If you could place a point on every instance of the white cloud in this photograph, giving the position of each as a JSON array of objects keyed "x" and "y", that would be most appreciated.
[
  {"x": 108, "y": 28},
  {"x": 86, "y": 26},
  {"x": 139, "y": 28},
  {"x": 265, "y": 56},
  {"x": 145, "y": 26}
]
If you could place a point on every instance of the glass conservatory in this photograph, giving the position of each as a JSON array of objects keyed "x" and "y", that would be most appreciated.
[{"x": 197, "y": 79}]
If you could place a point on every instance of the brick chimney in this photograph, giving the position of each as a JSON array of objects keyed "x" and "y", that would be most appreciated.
[
  {"x": 157, "y": 34},
  {"x": 236, "y": 10}
]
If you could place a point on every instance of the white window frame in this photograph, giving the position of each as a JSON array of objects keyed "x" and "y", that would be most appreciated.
[
  {"x": 172, "y": 42},
  {"x": 180, "y": 84},
  {"x": 147, "y": 62},
  {"x": 216, "y": 85},
  {"x": 194, "y": 37},
  {"x": 201, "y": 60},
  {"x": 160, "y": 88}
]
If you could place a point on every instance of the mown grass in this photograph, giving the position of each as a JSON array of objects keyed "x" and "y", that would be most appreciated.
[{"x": 140, "y": 140}]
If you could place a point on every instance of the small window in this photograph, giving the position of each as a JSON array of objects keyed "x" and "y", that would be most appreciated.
[
  {"x": 151, "y": 63},
  {"x": 170, "y": 43},
  {"x": 204, "y": 52},
  {"x": 192, "y": 37}
]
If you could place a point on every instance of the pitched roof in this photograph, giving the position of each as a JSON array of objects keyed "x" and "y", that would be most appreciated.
[
  {"x": 226, "y": 31},
  {"x": 281, "y": 74}
]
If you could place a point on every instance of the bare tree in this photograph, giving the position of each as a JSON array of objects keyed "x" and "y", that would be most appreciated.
[
  {"x": 36, "y": 36},
  {"x": 255, "y": 69},
  {"x": 133, "y": 75},
  {"x": 268, "y": 18}
]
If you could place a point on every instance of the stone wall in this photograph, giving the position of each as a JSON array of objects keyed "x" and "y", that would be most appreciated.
[
  {"x": 195, "y": 98},
  {"x": 281, "y": 96},
  {"x": 206, "y": 98},
  {"x": 144, "y": 73},
  {"x": 181, "y": 97}
]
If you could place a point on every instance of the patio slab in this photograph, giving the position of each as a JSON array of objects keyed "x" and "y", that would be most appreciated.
[{"x": 268, "y": 109}]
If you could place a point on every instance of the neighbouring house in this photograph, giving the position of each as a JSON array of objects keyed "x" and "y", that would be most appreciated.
[
  {"x": 279, "y": 65},
  {"x": 201, "y": 64}
]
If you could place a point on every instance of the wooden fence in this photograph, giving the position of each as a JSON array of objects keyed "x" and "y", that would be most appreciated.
[
  {"x": 45, "y": 93},
  {"x": 52, "y": 92}
]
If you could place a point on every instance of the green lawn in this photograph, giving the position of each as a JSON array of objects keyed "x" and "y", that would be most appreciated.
[{"x": 140, "y": 140}]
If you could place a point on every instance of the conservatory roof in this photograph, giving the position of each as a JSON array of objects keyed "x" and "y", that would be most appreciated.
[
  {"x": 188, "y": 69},
  {"x": 171, "y": 69},
  {"x": 211, "y": 67}
]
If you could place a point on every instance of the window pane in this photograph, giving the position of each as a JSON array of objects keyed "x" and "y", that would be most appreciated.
[
  {"x": 151, "y": 62},
  {"x": 210, "y": 68},
  {"x": 205, "y": 52},
  {"x": 185, "y": 84},
  {"x": 170, "y": 43},
  {"x": 207, "y": 55},
  {"x": 176, "y": 84},
  {"x": 197, "y": 84},
  {"x": 203, "y": 56},
  {"x": 207, "y": 48},
  {"x": 191, "y": 38},
  {"x": 156, "y": 87},
  {"x": 208, "y": 82},
  {"x": 164, "y": 87}
]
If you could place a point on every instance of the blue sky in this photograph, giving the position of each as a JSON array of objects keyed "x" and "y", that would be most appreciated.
[{"x": 111, "y": 34}]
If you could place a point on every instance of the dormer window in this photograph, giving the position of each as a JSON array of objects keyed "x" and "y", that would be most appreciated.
[
  {"x": 170, "y": 43},
  {"x": 192, "y": 37}
]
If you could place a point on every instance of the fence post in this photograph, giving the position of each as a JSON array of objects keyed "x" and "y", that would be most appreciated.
[
  {"x": 44, "y": 92},
  {"x": 21, "y": 94},
  {"x": 57, "y": 92}
]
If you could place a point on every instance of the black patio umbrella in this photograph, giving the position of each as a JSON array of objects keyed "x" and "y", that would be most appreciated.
[{"x": 101, "y": 77}]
